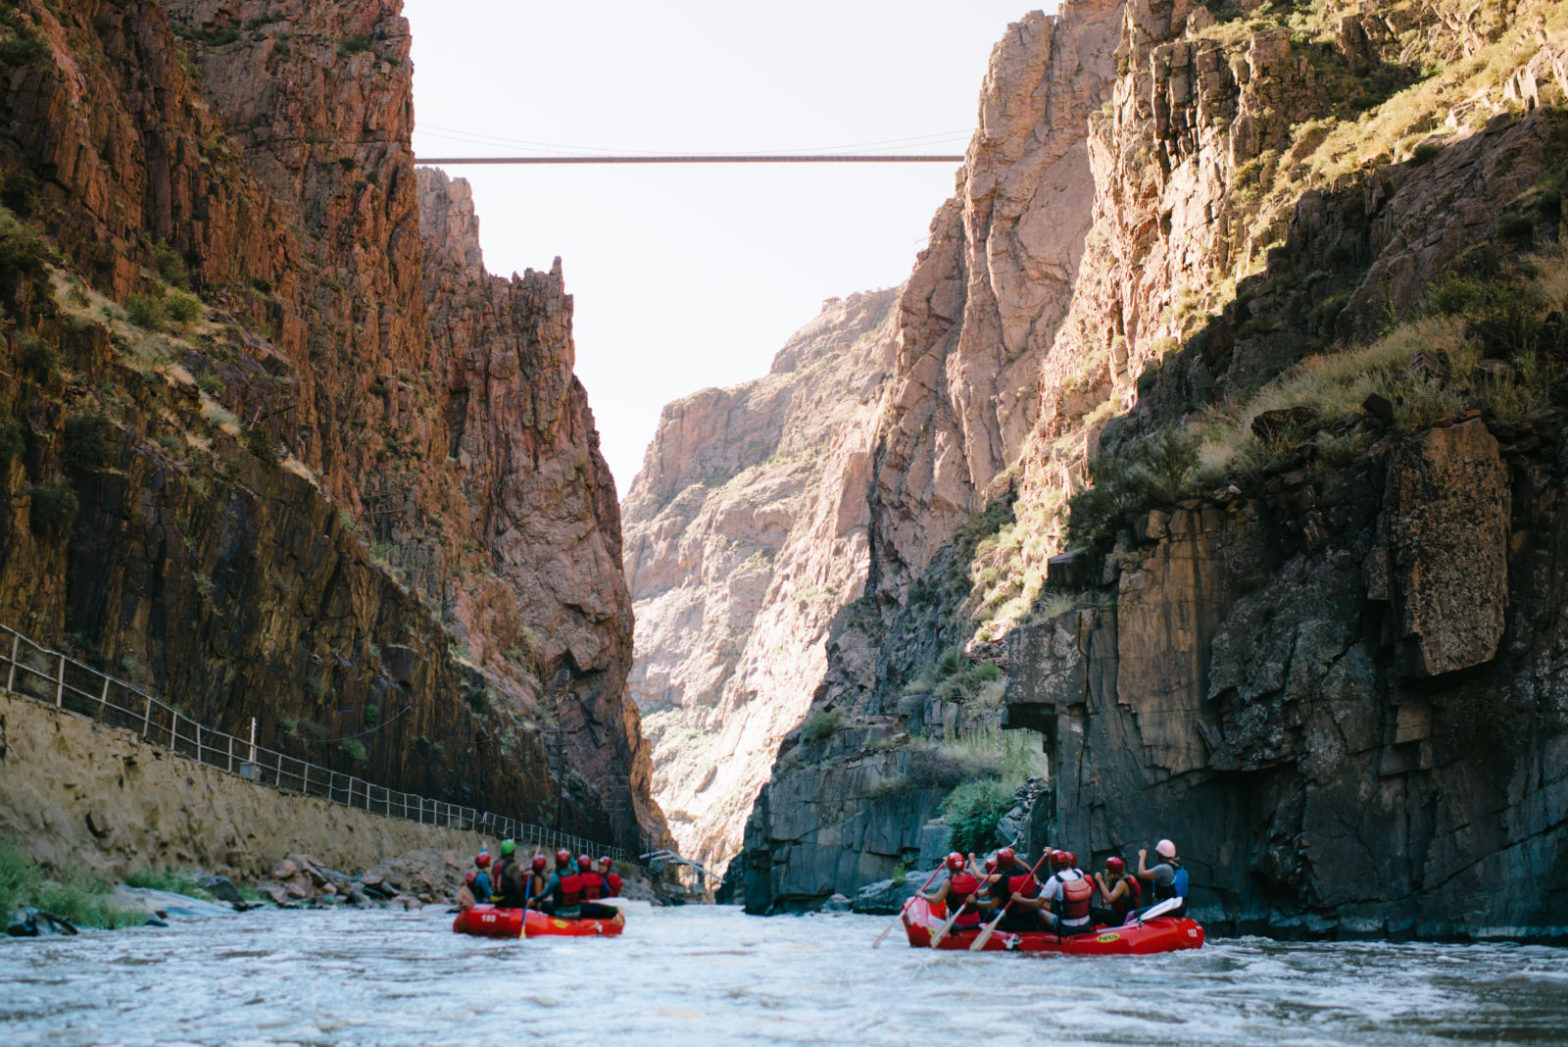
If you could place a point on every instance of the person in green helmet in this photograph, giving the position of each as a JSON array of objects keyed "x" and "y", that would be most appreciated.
[{"x": 502, "y": 874}]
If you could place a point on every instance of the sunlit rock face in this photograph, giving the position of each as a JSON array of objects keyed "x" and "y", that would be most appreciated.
[
  {"x": 359, "y": 495},
  {"x": 746, "y": 532}
]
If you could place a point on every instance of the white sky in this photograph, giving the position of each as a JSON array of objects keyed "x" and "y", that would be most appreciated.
[{"x": 688, "y": 277}]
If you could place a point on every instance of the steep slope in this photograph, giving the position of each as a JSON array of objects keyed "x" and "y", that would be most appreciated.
[
  {"x": 746, "y": 532},
  {"x": 281, "y": 448},
  {"x": 1272, "y": 663}
]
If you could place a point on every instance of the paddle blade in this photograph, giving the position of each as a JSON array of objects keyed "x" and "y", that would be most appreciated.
[
  {"x": 889, "y": 928},
  {"x": 936, "y": 939},
  {"x": 984, "y": 936},
  {"x": 1160, "y": 910}
]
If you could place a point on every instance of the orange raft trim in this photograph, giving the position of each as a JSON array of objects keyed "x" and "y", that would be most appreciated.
[
  {"x": 1161, "y": 934},
  {"x": 488, "y": 921}
]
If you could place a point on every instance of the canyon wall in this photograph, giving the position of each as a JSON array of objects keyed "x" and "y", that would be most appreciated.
[
  {"x": 746, "y": 533},
  {"x": 279, "y": 447},
  {"x": 1311, "y": 641}
]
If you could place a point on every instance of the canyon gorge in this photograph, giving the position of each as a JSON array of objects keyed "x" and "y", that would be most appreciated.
[{"x": 1210, "y": 450}]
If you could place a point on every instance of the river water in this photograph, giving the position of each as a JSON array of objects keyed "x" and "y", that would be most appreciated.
[{"x": 711, "y": 975}]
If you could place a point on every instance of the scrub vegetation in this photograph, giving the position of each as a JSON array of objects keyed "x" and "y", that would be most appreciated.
[{"x": 82, "y": 900}]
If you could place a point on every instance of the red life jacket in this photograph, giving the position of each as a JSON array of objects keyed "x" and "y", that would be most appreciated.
[
  {"x": 593, "y": 886},
  {"x": 571, "y": 890},
  {"x": 1129, "y": 899},
  {"x": 615, "y": 885},
  {"x": 961, "y": 888},
  {"x": 1025, "y": 885},
  {"x": 1076, "y": 896}
]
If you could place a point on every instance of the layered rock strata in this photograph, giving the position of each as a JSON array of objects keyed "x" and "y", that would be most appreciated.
[
  {"x": 1263, "y": 193},
  {"x": 352, "y": 487},
  {"x": 746, "y": 532}
]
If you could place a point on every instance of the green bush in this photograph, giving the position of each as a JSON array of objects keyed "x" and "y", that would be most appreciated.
[
  {"x": 37, "y": 360},
  {"x": 354, "y": 749},
  {"x": 11, "y": 442},
  {"x": 1155, "y": 470},
  {"x": 182, "y": 308},
  {"x": 821, "y": 725},
  {"x": 88, "y": 442},
  {"x": 24, "y": 257},
  {"x": 52, "y": 511},
  {"x": 174, "y": 881},
  {"x": 83, "y": 901},
  {"x": 972, "y": 811},
  {"x": 145, "y": 312},
  {"x": 210, "y": 384},
  {"x": 171, "y": 265}
]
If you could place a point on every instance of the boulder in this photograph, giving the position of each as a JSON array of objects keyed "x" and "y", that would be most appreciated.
[
  {"x": 836, "y": 903},
  {"x": 221, "y": 888},
  {"x": 887, "y": 897},
  {"x": 28, "y": 922},
  {"x": 274, "y": 893}
]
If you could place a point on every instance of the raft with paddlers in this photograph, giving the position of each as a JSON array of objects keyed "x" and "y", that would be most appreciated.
[
  {"x": 489, "y": 921},
  {"x": 923, "y": 919}
]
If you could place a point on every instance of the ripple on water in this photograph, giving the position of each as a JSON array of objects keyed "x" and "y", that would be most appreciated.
[{"x": 712, "y": 976}]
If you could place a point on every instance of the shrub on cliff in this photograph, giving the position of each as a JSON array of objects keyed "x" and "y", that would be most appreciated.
[
  {"x": 71, "y": 896},
  {"x": 972, "y": 811},
  {"x": 1150, "y": 472}
]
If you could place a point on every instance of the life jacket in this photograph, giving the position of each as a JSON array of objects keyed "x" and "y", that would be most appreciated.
[
  {"x": 593, "y": 886},
  {"x": 498, "y": 878},
  {"x": 1077, "y": 893},
  {"x": 1177, "y": 888},
  {"x": 961, "y": 888},
  {"x": 571, "y": 891},
  {"x": 615, "y": 886},
  {"x": 1024, "y": 884},
  {"x": 1129, "y": 899}
]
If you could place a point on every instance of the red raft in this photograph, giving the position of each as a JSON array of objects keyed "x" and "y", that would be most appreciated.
[
  {"x": 1161, "y": 934},
  {"x": 487, "y": 921}
]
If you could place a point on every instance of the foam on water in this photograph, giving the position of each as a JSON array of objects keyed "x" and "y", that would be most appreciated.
[{"x": 714, "y": 976}]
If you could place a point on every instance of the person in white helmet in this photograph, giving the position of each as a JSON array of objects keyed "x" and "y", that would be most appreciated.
[{"x": 1167, "y": 879}]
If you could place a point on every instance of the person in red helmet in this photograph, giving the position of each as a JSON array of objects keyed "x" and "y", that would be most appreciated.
[
  {"x": 592, "y": 890},
  {"x": 1063, "y": 904},
  {"x": 1119, "y": 893},
  {"x": 539, "y": 881},
  {"x": 612, "y": 880},
  {"x": 958, "y": 891},
  {"x": 482, "y": 885}
]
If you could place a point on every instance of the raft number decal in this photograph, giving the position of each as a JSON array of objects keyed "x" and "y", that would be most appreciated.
[{"x": 1108, "y": 938}]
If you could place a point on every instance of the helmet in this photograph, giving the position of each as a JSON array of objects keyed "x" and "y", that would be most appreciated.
[
  {"x": 1165, "y": 849},
  {"x": 539, "y": 862},
  {"x": 990, "y": 865},
  {"x": 1004, "y": 856},
  {"x": 955, "y": 861},
  {"x": 470, "y": 877},
  {"x": 482, "y": 859},
  {"x": 604, "y": 860},
  {"x": 1069, "y": 860},
  {"x": 1115, "y": 864},
  {"x": 563, "y": 857},
  {"x": 1060, "y": 859},
  {"x": 584, "y": 862},
  {"x": 507, "y": 847}
]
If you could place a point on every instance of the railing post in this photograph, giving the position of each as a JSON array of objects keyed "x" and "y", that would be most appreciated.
[
  {"x": 174, "y": 729},
  {"x": 59, "y": 686},
  {"x": 16, "y": 646},
  {"x": 147, "y": 717},
  {"x": 198, "y": 742},
  {"x": 103, "y": 697},
  {"x": 304, "y": 779},
  {"x": 231, "y": 754}
]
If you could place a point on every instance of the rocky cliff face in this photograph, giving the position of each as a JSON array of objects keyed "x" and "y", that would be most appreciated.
[
  {"x": 279, "y": 446},
  {"x": 746, "y": 534},
  {"x": 1281, "y": 656}
]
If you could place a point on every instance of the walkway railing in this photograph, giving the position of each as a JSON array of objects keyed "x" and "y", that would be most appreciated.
[{"x": 36, "y": 671}]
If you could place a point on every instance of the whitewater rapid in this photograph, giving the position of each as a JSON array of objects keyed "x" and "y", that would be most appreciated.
[{"x": 711, "y": 975}]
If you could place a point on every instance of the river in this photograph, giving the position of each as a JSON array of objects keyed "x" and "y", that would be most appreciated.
[{"x": 711, "y": 975}]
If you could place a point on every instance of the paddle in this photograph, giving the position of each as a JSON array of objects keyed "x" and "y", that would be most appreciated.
[
  {"x": 936, "y": 939},
  {"x": 990, "y": 928},
  {"x": 902, "y": 908},
  {"x": 1160, "y": 909}
]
